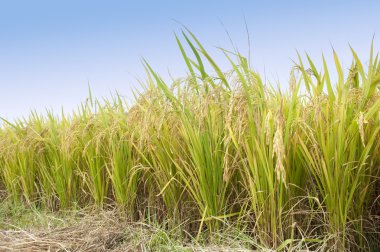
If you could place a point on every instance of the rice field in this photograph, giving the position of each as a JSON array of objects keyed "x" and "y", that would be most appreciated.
[{"x": 217, "y": 152}]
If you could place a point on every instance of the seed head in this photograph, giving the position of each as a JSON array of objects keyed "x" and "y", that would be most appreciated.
[
  {"x": 279, "y": 150},
  {"x": 361, "y": 122},
  {"x": 267, "y": 128}
]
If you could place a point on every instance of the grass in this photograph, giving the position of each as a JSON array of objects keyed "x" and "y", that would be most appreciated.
[{"x": 216, "y": 153}]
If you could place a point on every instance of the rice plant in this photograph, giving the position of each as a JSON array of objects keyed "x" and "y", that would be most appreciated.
[{"x": 217, "y": 151}]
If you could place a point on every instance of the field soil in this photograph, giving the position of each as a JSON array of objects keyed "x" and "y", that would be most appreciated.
[{"x": 104, "y": 231}]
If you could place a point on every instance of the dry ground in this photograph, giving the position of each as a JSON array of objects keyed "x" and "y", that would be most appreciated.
[{"x": 103, "y": 231}]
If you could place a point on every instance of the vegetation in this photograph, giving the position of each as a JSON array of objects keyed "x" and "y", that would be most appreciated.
[{"x": 216, "y": 152}]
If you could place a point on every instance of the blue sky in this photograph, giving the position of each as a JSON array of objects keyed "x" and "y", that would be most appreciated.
[{"x": 51, "y": 50}]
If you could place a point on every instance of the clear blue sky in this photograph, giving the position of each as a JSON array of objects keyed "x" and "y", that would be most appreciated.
[{"x": 50, "y": 50}]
